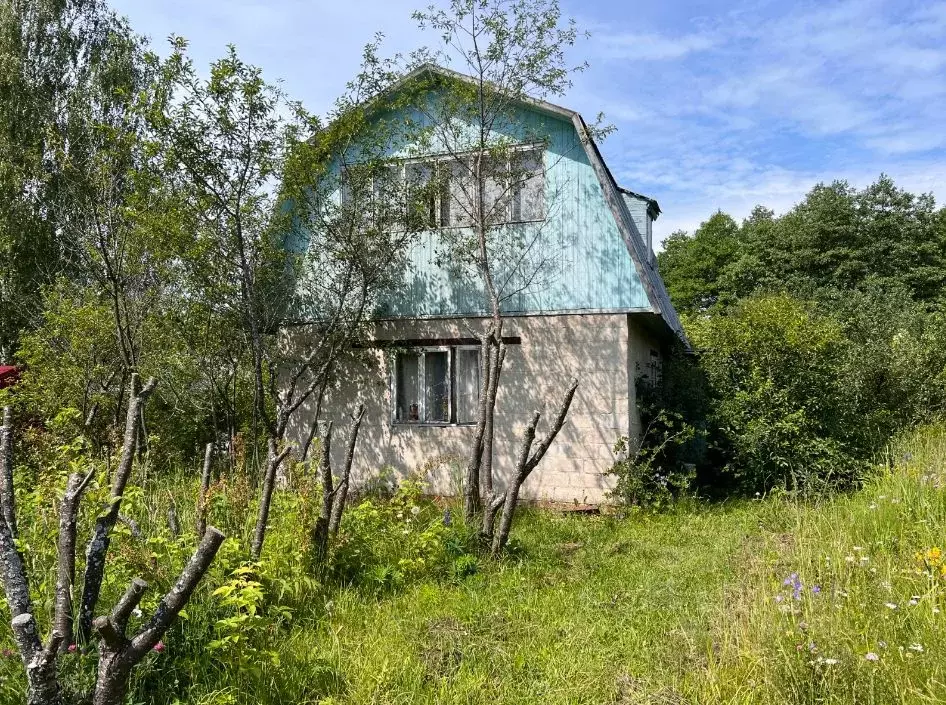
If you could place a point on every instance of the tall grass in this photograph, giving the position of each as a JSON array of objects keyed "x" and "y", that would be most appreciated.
[{"x": 759, "y": 601}]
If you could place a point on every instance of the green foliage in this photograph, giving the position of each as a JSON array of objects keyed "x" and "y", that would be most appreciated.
[
  {"x": 661, "y": 465},
  {"x": 642, "y": 480},
  {"x": 781, "y": 412},
  {"x": 387, "y": 544},
  {"x": 837, "y": 238},
  {"x": 817, "y": 331},
  {"x": 692, "y": 266}
]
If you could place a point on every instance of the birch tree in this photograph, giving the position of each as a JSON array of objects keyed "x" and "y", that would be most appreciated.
[{"x": 493, "y": 174}]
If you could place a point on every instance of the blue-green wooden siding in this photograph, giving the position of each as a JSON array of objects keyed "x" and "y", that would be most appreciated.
[{"x": 588, "y": 266}]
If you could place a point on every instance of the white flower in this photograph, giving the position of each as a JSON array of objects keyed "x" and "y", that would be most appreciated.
[
  {"x": 137, "y": 612},
  {"x": 872, "y": 506},
  {"x": 828, "y": 661},
  {"x": 849, "y": 559},
  {"x": 916, "y": 647},
  {"x": 913, "y": 603},
  {"x": 415, "y": 510},
  {"x": 864, "y": 559},
  {"x": 936, "y": 610},
  {"x": 871, "y": 656},
  {"x": 890, "y": 605},
  {"x": 858, "y": 548}
]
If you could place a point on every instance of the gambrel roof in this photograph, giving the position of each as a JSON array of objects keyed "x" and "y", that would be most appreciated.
[{"x": 656, "y": 292}]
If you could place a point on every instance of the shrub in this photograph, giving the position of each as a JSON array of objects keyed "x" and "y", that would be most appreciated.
[
  {"x": 781, "y": 415},
  {"x": 384, "y": 544}
]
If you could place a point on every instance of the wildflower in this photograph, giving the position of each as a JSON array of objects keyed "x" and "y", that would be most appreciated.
[
  {"x": 890, "y": 605},
  {"x": 795, "y": 583},
  {"x": 849, "y": 559},
  {"x": 916, "y": 647},
  {"x": 882, "y": 644},
  {"x": 159, "y": 647},
  {"x": 415, "y": 510},
  {"x": 447, "y": 517},
  {"x": 858, "y": 548},
  {"x": 816, "y": 589},
  {"x": 864, "y": 559},
  {"x": 71, "y": 648},
  {"x": 827, "y": 661},
  {"x": 913, "y": 602},
  {"x": 137, "y": 612},
  {"x": 872, "y": 505},
  {"x": 803, "y": 625},
  {"x": 871, "y": 656},
  {"x": 936, "y": 610},
  {"x": 779, "y": 598}
]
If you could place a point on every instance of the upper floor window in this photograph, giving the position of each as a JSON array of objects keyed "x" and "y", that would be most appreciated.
[{"x": 442, "y": 192}]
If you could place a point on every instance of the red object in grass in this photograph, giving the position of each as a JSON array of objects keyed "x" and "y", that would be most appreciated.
[{"x": 9, "y": 375}]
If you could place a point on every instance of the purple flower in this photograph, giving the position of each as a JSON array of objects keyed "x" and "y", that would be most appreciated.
[
  {"x": 795, "y": 583},
  {"x": 816, "y": 589},
  {"x": 447, "y": 517}
]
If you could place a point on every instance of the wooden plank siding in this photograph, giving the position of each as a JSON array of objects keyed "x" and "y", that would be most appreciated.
[{"x": 586, "y": 267}]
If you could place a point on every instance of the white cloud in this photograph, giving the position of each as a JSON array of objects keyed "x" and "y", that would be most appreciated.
[{"x": 632, "y": 46}]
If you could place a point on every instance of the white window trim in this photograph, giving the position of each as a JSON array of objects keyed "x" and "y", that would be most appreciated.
[
  {"x": 443, "y": 158},
  {"x": 422, "y": 380},
  {"x": 451, "y": 351}
]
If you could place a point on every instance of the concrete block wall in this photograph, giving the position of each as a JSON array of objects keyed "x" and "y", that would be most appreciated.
[{"x": 599, "y": 349}]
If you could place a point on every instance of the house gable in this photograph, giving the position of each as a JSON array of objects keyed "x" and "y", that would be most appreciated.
[{"x": 591, "y": 249}]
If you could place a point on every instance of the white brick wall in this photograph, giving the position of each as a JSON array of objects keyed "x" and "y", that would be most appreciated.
[{"x": 593, "y": 347}]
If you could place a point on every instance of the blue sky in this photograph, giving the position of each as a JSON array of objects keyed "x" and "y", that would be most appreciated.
[{"x": 718, "y": 104}]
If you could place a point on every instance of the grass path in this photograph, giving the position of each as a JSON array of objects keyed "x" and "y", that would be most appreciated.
[{"x": 592, "y": 610}]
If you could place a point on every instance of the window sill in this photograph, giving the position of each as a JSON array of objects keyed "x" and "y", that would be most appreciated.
[{"x": 431, "y": 424}]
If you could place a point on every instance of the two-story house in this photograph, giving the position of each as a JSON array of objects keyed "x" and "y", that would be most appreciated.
[{"x": 598, "y": 312}]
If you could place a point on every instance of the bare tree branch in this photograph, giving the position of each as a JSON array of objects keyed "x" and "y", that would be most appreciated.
[
  {"x": 528, "y": 460},
  {"x": 320, "y": 530},
  {"x": 66, "y": 563},
  {"x": 344, "y": 484},
  {"x": 7, "y": 498},
  {"x": 101, "y": 538},
  {"x": 205, "y": 477}
]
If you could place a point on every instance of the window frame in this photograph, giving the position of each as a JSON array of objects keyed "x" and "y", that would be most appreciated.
[
  {"x": 435, "y": 163},
  {"x": 452, "y": 410}
]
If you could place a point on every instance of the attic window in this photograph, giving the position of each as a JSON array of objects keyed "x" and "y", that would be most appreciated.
[
  {"x": 436, "y": 386},
  {"x": 441, "y": 191}
]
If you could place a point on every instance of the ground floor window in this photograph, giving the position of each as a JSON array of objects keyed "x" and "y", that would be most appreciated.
[{"x": 436, "y": 385}]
